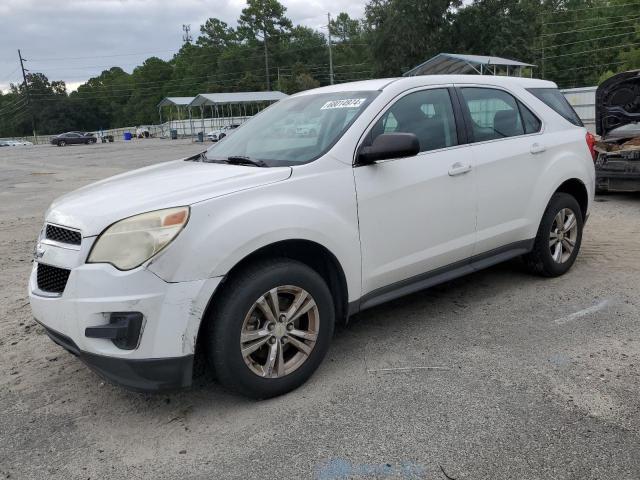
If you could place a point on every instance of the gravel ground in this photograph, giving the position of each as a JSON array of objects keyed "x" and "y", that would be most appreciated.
[{"x": 495, "y": 375}]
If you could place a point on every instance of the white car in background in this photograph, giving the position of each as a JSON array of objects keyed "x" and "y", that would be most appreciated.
[
  {"x": 15, "y": 143},
  {"x": 248, "y": 253},
  {"x": 222, "y": 132}
]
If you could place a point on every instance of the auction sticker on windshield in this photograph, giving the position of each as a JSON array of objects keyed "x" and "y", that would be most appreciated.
[{"x": 344, "y": 103}]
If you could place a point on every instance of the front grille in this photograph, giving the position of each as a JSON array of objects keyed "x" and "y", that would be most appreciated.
[
  {"x": 52, "y": 279},
  {"x": 63, "y": 235}
]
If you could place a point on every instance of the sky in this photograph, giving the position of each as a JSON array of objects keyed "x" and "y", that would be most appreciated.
[{"x": 73, "y": 40}]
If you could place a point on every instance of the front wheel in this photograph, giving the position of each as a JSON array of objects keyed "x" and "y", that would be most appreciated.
[
  {"x": 270, "y": 328},
  {"x": 559, "y": 237}
]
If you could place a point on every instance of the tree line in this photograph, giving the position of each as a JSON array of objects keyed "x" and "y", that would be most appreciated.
[{"x": 572, "y": 42}]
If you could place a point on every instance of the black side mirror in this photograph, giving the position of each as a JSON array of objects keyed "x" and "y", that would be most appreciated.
[{"x": 388, "y": 146}]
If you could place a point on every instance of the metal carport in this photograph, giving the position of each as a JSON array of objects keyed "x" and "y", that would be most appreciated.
[
  {"x": 226, "y": 105},
  {"x": 455, "y": 63},
  {"x": 177, "y": 102}
]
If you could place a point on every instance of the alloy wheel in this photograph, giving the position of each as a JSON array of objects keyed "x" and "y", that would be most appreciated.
[
  {"x": 280, "y": 331},
  {"x": 563, "y": 235}
]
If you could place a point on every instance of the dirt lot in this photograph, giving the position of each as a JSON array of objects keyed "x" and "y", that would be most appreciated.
[{"x": 496, "y": 375}]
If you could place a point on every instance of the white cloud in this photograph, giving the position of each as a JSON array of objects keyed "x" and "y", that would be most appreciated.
[{"x": 47, "y": 30}]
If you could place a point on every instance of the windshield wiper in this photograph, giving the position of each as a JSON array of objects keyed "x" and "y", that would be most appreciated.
[{"x": 244, "y": 160}]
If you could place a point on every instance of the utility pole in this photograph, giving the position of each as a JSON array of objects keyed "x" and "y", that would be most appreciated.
[
  {"x": 266, "y": 55},
  {"x": 330, "y": 52},
  {"x": 26, "y": 88}
]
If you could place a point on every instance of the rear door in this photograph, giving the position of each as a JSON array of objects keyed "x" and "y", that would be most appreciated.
[
  {"x": 417, "y": 214},
  {"x": 509, "y": 154},
  {"x": 73, "y": 138}
]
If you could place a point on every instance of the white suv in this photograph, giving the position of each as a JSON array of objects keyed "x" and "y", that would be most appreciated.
[{"x": 249, "y": 252}]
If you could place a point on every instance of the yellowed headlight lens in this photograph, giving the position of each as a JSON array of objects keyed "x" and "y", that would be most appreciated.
[{"x": 129, "y": 243}]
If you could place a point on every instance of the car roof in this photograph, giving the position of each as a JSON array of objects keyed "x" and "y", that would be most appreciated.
[{"x": 403, "y": 83}]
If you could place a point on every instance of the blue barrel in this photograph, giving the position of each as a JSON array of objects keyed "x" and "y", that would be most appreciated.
[{"x": 127, "y": 135}]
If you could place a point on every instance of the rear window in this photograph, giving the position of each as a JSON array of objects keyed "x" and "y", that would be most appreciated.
[{"x": 555, "y": 100}]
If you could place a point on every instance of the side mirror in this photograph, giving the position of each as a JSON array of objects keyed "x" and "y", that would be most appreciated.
[{"x": 388, "y": 146}]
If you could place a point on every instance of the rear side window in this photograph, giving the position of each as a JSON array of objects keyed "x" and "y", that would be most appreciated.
[
  {"x": 555, "y": 100},
  {"x": 494, "y": 114},
  {"x": 531, "y": 123},
  {"x": 428, "y": 114}
]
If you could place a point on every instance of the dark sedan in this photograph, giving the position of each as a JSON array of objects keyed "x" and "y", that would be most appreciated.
[{"x": 71, "y": 138}]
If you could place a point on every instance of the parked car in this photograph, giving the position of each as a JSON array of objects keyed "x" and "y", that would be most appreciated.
[
  {"x": 617, "y": 123},
  {"x": 257, "y": 246},
  {"x": 73, "y": 138},
  {"x": 143, "y": 132},
  {"x": 219, "y": 134}
]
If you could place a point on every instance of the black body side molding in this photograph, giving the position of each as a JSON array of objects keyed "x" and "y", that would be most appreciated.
[{"x": 440, "y": 275}]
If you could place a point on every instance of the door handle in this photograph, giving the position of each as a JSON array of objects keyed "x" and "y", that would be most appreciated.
[
  {"x": 459, "y": 168},
  {"x": 537, "y": 148}
]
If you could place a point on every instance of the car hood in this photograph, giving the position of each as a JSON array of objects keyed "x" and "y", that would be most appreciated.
[
  {"x": 94, "y": 207},
  {"x": 618, "y": 104}
]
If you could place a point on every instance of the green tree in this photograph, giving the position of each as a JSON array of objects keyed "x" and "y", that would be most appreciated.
[
  {"x": 404, "y": 33},
  {"x": 264, "y": 22}
]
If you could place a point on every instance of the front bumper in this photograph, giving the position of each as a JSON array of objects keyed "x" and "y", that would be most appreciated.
[
  {"x": 171, "y": 313},
  {"x": 143, "y": 375}
]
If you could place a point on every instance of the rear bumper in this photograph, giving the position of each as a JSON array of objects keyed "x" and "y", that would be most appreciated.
[
  {"x": 142, "y": 375},
  {"x": 618, "y": 172},
  {"x": 617, "y": 181}
]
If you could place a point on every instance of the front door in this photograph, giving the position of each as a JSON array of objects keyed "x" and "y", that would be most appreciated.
[{"x": 416, "y": 214}]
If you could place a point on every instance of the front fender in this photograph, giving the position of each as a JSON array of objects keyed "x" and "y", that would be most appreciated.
[{"x": 223, "y": 231}]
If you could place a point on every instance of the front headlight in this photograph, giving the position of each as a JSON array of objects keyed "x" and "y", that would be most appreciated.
[{"x": 129, "y": 243}]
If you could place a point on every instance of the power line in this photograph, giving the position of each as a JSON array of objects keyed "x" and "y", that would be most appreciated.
[
  {"x": 579, "y": 20},
  {"x": 584, "y": 41},
  {"x": 635, "y": 4},
  {"x": 590, "y": 66},
  {"x": 599, "y": 26},
  {"x": 209, "y": 77},
  {"x": 593, "y": 50}
]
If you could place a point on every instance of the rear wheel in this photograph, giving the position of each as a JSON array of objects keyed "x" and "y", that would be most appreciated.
[
  {"x": 559, "y": 237},
  {"x": 270, "y": 328}
]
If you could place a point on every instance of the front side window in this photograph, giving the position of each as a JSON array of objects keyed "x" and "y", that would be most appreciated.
[
  {"x": 295, "y": 130},
  {"x": 427, "y": 114},
  {"x": 494, "y": 114}
]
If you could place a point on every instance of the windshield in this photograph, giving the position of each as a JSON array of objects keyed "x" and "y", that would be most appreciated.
[{"x": 295, "y": 130}]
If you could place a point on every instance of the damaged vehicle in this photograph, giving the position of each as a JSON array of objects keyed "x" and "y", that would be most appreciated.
[
  {"x": 617, "y": 117},
  {"x": 247, "y": 254}
]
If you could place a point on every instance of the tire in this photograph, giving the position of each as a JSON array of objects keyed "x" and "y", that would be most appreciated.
[
  {"x": 541, "y": 260},
  {"x": 237, "y": 310},
  {"x": 62, "y": 143}
]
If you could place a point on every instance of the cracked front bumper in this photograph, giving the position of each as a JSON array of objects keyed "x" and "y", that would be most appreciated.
[{"x": 171, "y": 319}]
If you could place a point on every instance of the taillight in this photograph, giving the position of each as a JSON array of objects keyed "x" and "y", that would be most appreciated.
[{"x": 591, "y": 143}]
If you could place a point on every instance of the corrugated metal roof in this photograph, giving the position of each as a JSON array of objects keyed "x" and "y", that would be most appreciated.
[
  {"x": 236, "y": 97},
  {"x": 176, "y": 101},
  {"x": 455, "y": 63}
]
